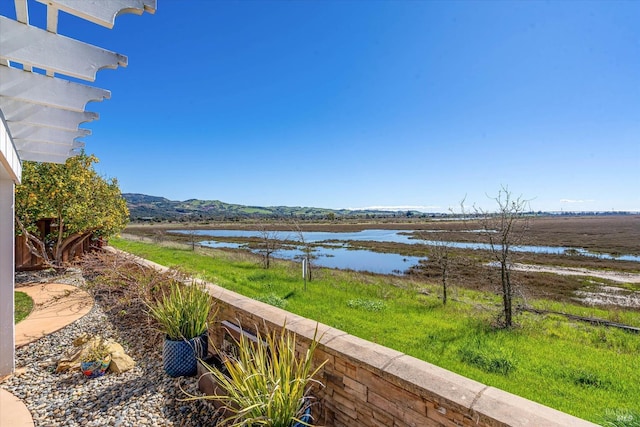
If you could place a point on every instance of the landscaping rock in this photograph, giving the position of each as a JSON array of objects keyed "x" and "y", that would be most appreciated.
[
  {"x": 82, "y": 339},
  {"x": 121, "y": 362},
  {"x": 82, "y": 344}
]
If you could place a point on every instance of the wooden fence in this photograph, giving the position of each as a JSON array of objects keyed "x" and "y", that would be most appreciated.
[{"x": 25, "y": 260}]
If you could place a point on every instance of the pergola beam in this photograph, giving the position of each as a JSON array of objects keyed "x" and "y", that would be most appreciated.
[
  {"x": 25, "y": 146},
  {"x": 102, "y": 12},
  {"x": 16, "y": 111},
  {"x": 22, "y": 13},
  {"x": 52, "y": 19},
  {"x": 39, "y": 133},
  {"x": 52, "y": 92},
  {"x": 35, "y": 47},
  {"x": 46, "y": 157}
]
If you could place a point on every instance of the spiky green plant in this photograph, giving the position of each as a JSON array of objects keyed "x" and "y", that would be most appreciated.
[
  {"x": 182, "y": 313},
  {"x": 266, "y": 384}
]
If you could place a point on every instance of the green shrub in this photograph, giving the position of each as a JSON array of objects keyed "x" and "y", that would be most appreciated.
[{"x": 589, "y": 379}]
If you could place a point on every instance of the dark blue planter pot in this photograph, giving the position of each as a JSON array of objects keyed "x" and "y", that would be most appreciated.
[
  {"x": 180, "y": 357},
  {"x": 306, "y": 418}
]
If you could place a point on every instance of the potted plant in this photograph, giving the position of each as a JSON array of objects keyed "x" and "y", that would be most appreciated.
[
  {"x": 265, "y": 383},
  {"x": 183, "y": 315},
  {"x": 95, "y": 358}
]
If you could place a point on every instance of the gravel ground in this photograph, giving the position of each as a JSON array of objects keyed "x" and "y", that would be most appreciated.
[{"x": 143, "y": 396}]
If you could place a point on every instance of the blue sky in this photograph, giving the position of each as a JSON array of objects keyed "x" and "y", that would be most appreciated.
[{"x": 351, "y": 104}]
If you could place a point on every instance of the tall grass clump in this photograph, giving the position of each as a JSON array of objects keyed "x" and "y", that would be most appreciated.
[
  {"x": 266, "y": 383},
  {"x": 478, "y": 353},
  {"x": 183, "y": 312}
]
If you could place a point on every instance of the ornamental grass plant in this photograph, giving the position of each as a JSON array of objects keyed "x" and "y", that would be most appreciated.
[
  {"x": 266, "y": 383},
  {"x": 183, "y": 312}
]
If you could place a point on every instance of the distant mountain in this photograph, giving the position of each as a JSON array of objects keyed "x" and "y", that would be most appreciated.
[{"x": 151, "y": 208}]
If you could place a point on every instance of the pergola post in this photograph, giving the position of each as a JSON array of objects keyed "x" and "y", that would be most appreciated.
[{"x": 7, "y": 350}]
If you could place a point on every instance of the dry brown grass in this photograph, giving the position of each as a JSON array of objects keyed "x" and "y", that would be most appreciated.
[{"x": 122, "y": 286}]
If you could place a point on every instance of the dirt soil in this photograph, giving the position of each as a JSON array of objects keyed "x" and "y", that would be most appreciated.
[{"x": 614, "y": 276}]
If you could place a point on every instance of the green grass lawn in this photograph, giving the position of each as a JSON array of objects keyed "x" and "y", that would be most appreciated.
[
  {"x": 23, "y": 305},
  {"x": 585, "y": 370}
]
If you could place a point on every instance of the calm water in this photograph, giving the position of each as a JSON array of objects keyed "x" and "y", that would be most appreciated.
[
  {"x": 341, "y": 257},
  {"x": 336, "y": 254}
]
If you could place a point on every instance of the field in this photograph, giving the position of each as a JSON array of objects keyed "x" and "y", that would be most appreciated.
[
  {"x": 583, "y": 369},
  {"x": 549, "y": 358}
]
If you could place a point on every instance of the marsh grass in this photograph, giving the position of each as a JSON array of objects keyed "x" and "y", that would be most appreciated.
[
  {"x": 578, "y": 368},
  {"x": 476, "y": 351}
]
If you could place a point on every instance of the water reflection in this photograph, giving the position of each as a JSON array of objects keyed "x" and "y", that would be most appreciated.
[
  {"x": 335, "y": 253},
  {"x": 340, "y": 257},
  {"x": 399, "y": 236}
]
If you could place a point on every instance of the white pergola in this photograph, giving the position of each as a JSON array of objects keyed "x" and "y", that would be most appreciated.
[{"x": 41, "y": 111}]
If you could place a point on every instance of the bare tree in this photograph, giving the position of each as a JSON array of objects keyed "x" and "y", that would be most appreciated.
[
  {"x": 158, "y": 236},
  {"x": 504, "y": 229},
  {"x": 269, "y": 243},
  {"x": 439, "y": 255},
  {"x": 307, "y": 251},
  {"x": 192, "y": 234},
  {"x": 440, "y": 252}
]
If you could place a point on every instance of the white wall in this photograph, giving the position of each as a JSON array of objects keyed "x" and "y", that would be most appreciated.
[
  {"x": 7, "y": 239},
  {"x": 10, "y": 172}
]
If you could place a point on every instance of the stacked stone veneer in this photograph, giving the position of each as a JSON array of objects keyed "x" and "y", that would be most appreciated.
[{"x": 366, "y": 384}]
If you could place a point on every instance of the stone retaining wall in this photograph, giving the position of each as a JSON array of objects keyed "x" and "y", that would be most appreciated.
[{"x": 367, "y": 384}]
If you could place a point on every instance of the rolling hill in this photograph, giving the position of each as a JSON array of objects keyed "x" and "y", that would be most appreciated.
[{"x": 152, "y": 208}]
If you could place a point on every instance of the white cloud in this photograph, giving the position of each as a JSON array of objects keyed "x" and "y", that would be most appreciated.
[{"x": 576, "y": 201}]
